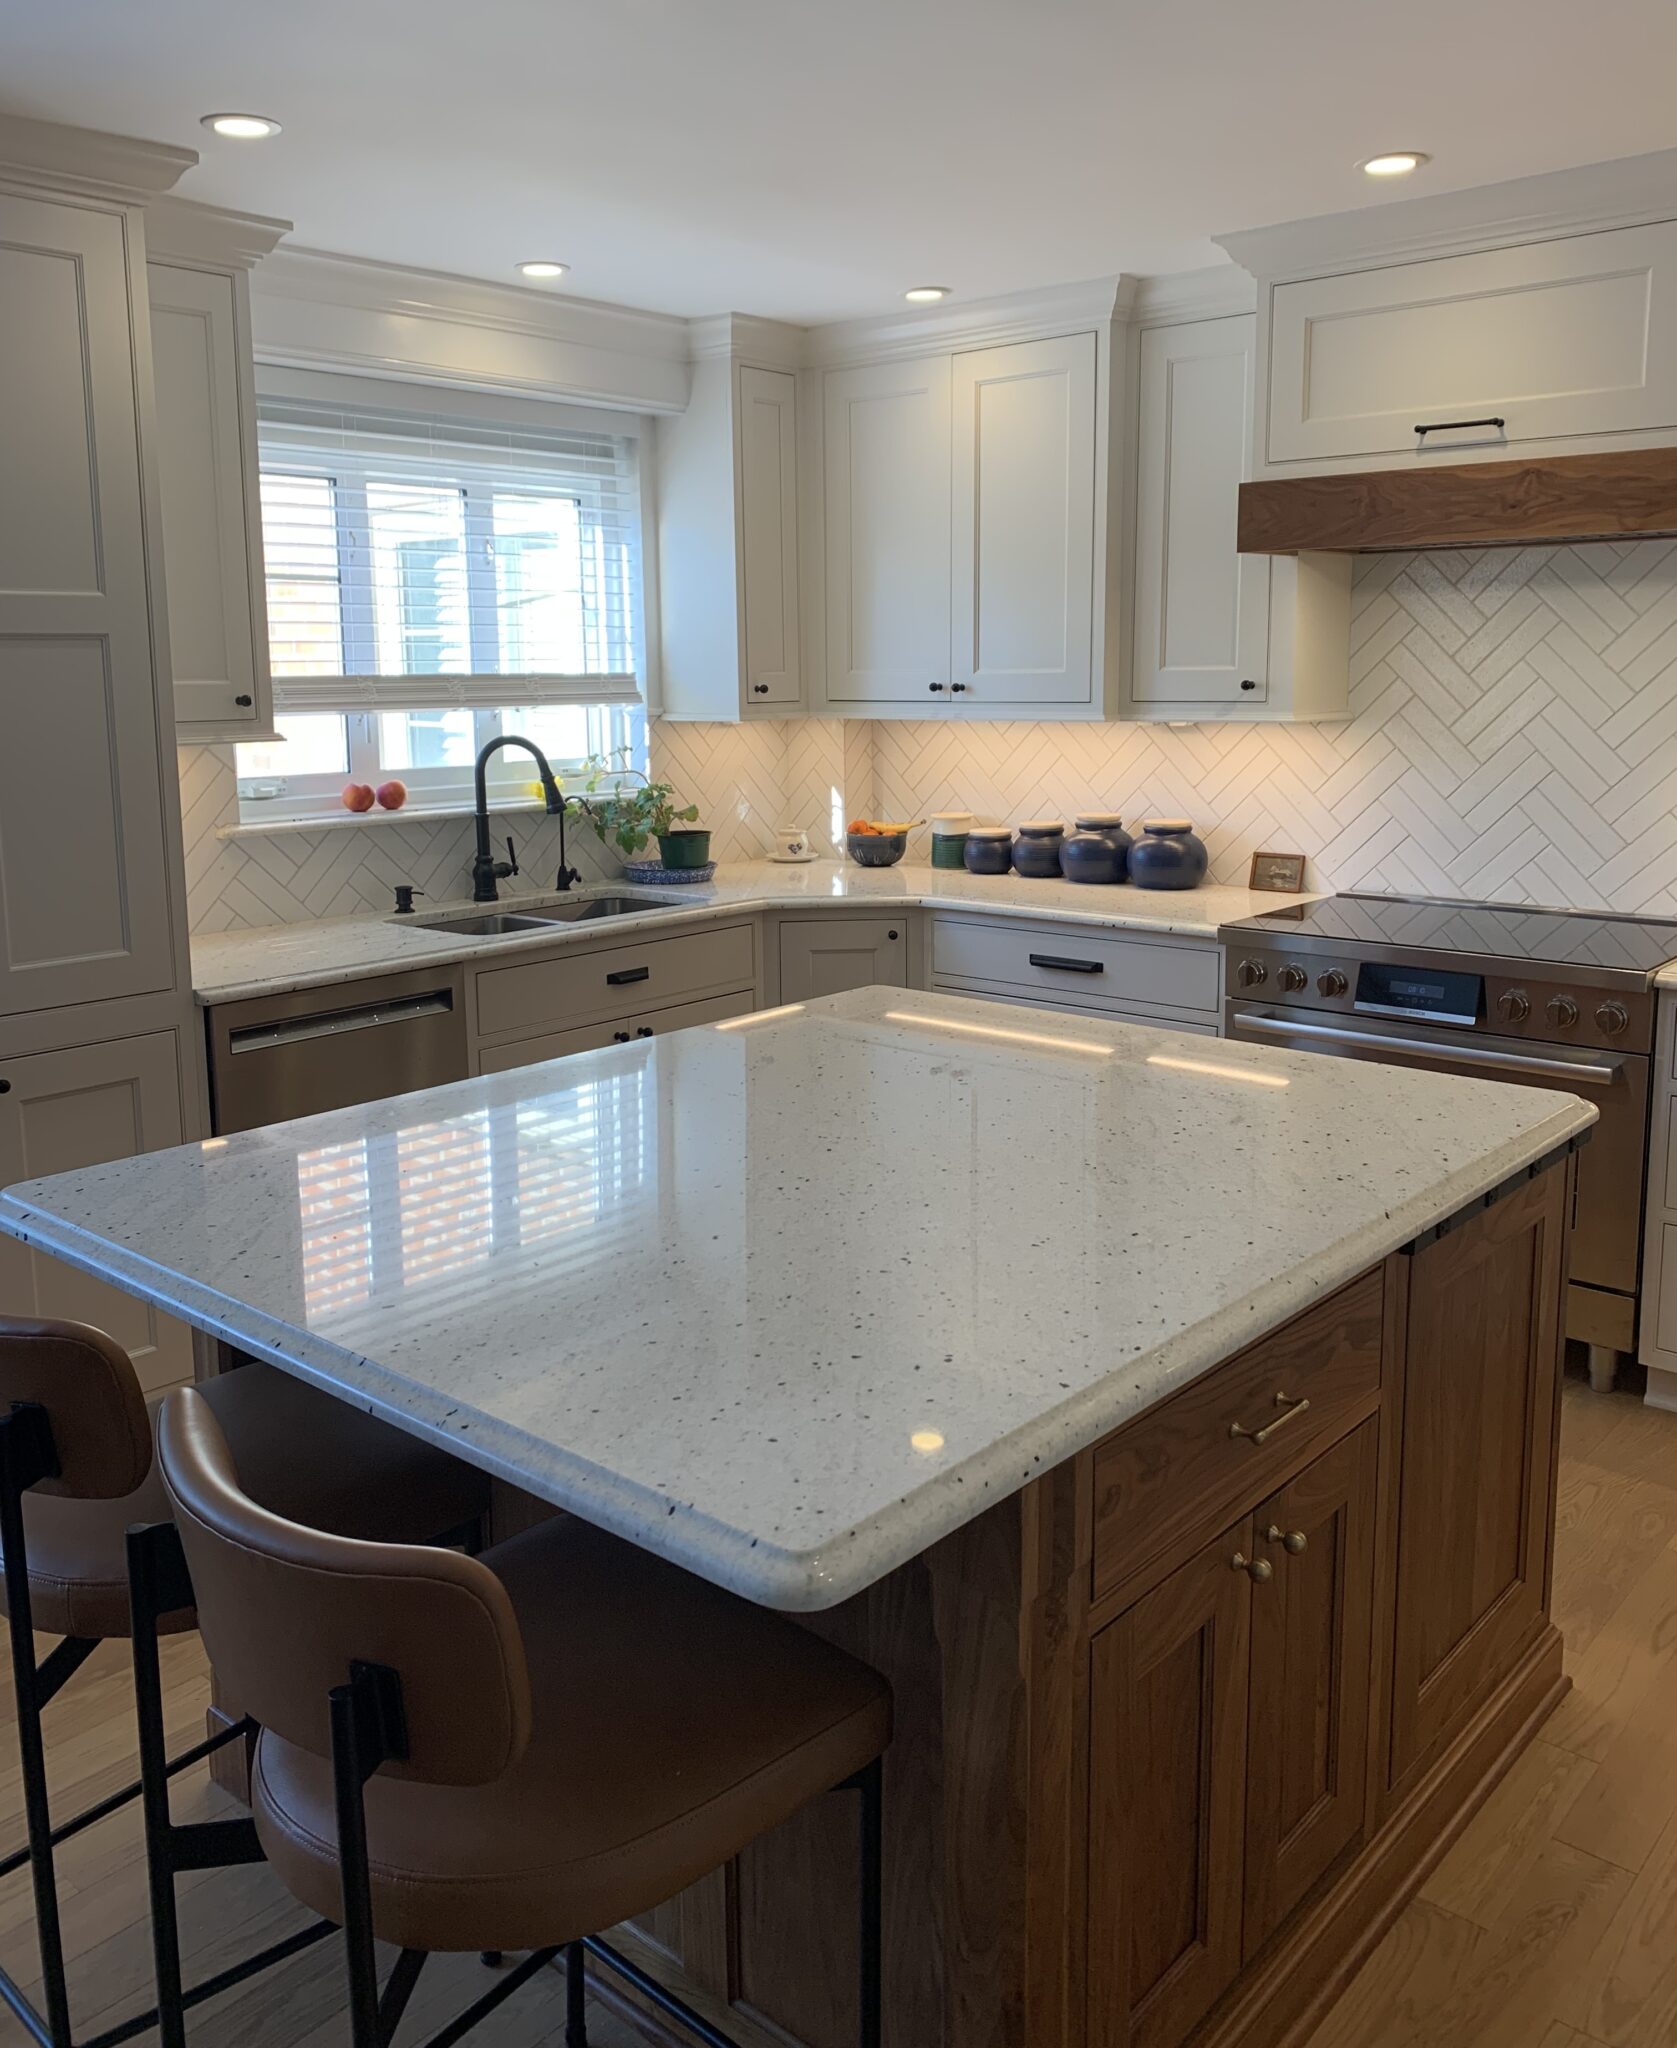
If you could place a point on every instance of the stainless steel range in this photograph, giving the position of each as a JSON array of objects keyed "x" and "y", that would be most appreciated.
[{"x": 1550, "y": 999}]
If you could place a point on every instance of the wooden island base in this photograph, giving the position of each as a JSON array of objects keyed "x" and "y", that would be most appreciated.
[{"x": 1164, "y": 1772}]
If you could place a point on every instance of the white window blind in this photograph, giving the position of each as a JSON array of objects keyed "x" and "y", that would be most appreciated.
[{"x": 415, "y": 563}]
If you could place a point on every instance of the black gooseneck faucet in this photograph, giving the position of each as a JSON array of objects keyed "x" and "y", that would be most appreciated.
[{"x": 486, "y": 869}]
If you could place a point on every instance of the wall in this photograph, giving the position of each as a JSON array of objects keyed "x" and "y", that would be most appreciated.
[{"x": 1513, "y": 735}]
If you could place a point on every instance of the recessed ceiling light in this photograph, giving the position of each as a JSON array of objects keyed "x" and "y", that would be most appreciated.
[
  {"x": 544, "y": 268},
  {"x": 1394, "y": 163},
  {"x": 926, "y": 294},
  {"x": 241, "y": 127}
]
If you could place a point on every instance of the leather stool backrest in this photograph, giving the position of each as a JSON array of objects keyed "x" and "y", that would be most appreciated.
[
  {"x": 87, "y": 1384},
  {"x": 285, "y": 1611}
]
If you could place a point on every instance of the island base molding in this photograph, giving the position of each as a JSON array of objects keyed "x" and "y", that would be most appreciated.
[{"x": 1184, "y": 1724}]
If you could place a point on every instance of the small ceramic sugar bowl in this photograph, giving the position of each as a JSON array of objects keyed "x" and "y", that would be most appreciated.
[
  {"x": 1036, "y": 851},
  {"x": 989, "y": 849}
]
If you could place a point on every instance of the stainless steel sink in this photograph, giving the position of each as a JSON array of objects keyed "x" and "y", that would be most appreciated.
[{"x": 491, "y": 924}]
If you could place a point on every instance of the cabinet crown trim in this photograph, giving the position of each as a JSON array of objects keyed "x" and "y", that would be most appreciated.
[
  {"x": 89, "y": 159},
  {"x": 182, "y": 231},
  {"x": 986, "y": 323}
]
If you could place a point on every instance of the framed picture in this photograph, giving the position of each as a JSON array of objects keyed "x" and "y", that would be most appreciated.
[{"x": 1281, "y": 873}]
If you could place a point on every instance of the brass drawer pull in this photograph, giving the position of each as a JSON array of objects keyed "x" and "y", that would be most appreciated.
[
  {"x": 1256, "y": 1568},
  {"x": 1293, "y": 1541},
  {"x": 1262, "y": 1436}
]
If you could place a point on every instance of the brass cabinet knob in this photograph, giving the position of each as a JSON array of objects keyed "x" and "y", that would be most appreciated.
[
  {"x": 1257, "y": 1569},
  {"x": 1293, "y": 1541}
]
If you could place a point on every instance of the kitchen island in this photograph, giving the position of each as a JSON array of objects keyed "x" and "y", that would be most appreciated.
[{"x": 1173, "y": 1422}]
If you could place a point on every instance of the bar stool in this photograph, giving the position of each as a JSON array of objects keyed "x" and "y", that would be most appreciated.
[
  {"x": 76, "y": 1471},
  {"x": 515, "y": 1751}
]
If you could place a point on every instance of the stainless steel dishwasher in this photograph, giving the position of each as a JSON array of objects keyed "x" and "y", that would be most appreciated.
[{"x": 326, "y": 1048}]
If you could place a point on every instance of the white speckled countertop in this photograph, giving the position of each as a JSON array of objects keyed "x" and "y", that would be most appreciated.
[
  {"x": 229, "y": 966},
  {"x": 790, "y": 1298},
  {"x": 1667, "y": 976}
]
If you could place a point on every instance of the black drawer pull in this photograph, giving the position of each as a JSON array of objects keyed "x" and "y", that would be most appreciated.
[
  {"x": 1064, "y": 966},
  {"x": 1443, "y": 426},
  {"x": 625, "y": 974}
]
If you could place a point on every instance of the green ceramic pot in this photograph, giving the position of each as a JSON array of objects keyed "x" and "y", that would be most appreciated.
[{"x": 686, "y": 846}]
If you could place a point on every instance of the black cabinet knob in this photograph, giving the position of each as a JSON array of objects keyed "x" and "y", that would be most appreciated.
[
  {"x": 890, "y": 935},
  {"x": 935, "y": 688},
  {"x": 244, "y": 703},
  {"x": 645, "y": 1031},
  {"x": 1248, "y": 684},
  {"x": 620, "y": 1038},
  {"x": 760, "y": 689},
  {"x": 957, "y": 689},
  {"x": 5, "y": 1086}
]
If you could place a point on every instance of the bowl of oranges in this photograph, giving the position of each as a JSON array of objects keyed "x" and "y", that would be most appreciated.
[{"x": 871, "y": 844}]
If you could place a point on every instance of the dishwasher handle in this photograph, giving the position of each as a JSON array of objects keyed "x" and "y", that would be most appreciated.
[
  {"x": 1590, "y": 1073},
  {"x": 335, "y": 1023}
]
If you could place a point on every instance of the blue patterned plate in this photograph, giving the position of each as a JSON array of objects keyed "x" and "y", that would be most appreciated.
[{"x": 654, "y": 873}]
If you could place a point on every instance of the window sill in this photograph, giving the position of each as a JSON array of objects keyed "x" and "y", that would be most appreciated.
[{"x": 359, "y": 821}]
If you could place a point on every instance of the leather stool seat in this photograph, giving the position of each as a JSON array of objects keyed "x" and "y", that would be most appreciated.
[
  {"x": 303, "y": 1454},
  {"x": 670, "y": 1724}
]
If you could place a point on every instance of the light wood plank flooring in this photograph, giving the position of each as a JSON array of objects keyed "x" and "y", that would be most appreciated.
[{"x": 1551, "y": 1924}]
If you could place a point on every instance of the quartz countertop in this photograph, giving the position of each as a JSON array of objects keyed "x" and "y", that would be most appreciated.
[
  {"x": 789, "y": 1298},
  {"x": 229, "y": 966}
]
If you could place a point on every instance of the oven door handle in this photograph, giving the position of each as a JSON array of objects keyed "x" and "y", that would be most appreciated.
[{"x": 1591, "y": 1073}]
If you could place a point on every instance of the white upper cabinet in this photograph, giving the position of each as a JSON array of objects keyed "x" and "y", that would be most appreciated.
[
  {"x": 1201, "y": 621},
  {"x": 206, "y": 461},
  {"x": 1023, "y": 520},
  {"x": 886, "y": 449},
  {"x": 1569, "y": 343},
  {"x": 728, "y": 545},
  {"x": 85, "y": 877}
]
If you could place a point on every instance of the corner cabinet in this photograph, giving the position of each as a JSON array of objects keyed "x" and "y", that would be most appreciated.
[
  {"x": 1217, "y": 635},
  {"x": 824, "y": 956},
  {"x": 729, "y": 627}
]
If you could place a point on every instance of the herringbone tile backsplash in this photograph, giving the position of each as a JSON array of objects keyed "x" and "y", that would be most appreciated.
[{"x": 1513, "y": 735}]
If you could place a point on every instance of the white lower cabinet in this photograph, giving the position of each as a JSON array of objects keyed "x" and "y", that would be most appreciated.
[
  {"x": 1153, "y": 977},
  {"x": 60, "y": 1111},
  {"x": 555, "y": 1045},
  {"x": 824, "y": 956}
]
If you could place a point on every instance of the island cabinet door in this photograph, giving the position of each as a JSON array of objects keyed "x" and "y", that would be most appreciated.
[
  {"x": 1307, "y": 1762},
  {"x": 1167, "y": 1796},
  {"x": 1481, "y": 1366}
]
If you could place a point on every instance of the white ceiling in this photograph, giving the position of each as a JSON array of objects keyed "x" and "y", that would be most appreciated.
[{"x": 809, "y": 159}]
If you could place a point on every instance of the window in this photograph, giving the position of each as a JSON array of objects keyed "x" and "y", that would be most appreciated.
[{"x": 432, "y": 584}]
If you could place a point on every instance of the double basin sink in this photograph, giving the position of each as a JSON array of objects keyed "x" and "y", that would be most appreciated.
[{"x": 494, "y": 924}]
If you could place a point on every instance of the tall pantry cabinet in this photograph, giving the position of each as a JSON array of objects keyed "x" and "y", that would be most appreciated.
[{"x": 97, "y": 1056}]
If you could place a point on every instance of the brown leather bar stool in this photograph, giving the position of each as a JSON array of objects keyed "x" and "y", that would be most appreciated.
[
  {"x": 89, "y": 1555},
  {"x": 514, "y": 1751}
]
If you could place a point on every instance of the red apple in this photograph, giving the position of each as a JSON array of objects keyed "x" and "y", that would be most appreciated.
[
  {"x": 392, "y": 795},
  {"x": 358, "y": 796}
]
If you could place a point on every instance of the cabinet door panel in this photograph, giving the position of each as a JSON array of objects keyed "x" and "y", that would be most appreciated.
[
  {"x": 826, "y": 956},
  {"x": 1168, "y": 1692},
  {"x": 66, "y": 1110},
  {"x": 769, "y": 534},
  {"x": 84, "y": 889},
  {"x": 1201, "y": 608},
  {"x": 201, "y": 478},
  {"x": 1023, "y": 520},
  {"x": 1307, "y": 1772},
  {"x": 1481, "y": 1366},
  {"x": 887, "y": 540}
]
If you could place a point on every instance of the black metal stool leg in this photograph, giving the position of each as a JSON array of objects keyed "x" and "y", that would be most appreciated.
[
  {"x": 367, "y": 1730},
  {"x": 870, "y": 1784},
  {"x": 576, "y": 1996},
  {"x": 157, "y": 1585},
  {"x": 24, "y": 1442}
]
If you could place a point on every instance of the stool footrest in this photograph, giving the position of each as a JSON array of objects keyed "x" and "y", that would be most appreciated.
[{"x": 649, "y": 1988}]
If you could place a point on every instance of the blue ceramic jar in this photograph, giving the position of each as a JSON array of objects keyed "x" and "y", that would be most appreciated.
[
  {"x": 1036, "y": 851},
  {"x": 1082, "y": 863},
  {"x": 1168, "y": 855},
  {"x": 989, "y": 850}
]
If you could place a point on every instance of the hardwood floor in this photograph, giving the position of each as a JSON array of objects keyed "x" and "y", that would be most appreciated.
[{"x": 1552, "y": 1923}]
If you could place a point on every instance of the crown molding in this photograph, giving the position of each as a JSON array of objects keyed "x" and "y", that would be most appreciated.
[
  {"x": 1588, "y": 200},
  {"x": 744, "y": 337},
  {"x": 1215, "y": 293},
  {"x": 183, "y": 231},
  {"x": 89, "y": 160},
  {"x": 315, "y": 309},
  {"x": 985, "y": 323}
]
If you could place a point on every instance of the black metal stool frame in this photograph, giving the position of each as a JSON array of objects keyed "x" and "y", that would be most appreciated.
[
  {"x": 158, "y": 1585},
  {"x": 368, "y": 1730}
]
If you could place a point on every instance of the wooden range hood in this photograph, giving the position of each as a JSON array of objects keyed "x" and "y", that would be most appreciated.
[{"x": 1631, "y": 495}]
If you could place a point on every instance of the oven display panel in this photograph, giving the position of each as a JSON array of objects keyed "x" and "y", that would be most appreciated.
[{"x": 1431, "y": 995}]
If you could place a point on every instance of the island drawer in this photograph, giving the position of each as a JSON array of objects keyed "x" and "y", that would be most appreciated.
[
  {"x": 1226, "y": 1441},
  {"x": 1079, "y": 964},
  {"x": 574, "y": 987}
]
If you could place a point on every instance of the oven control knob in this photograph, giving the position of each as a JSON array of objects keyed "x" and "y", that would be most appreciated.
[
  {"x": 1251, "y": 974},
  {"x": 1515, "y": 1007},
  {"x": 1562, "y": 1010},
  {"x": 1292, "y": 979},
  {"x": 1612, "y": 1018},
  {"x": 1332, "y": 983}
]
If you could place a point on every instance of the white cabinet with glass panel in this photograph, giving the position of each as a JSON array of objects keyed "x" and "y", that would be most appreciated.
[{"x": 436, "y": 581}]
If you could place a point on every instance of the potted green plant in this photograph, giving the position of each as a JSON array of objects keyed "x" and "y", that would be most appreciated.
[{"x": 630, "y": 815}]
